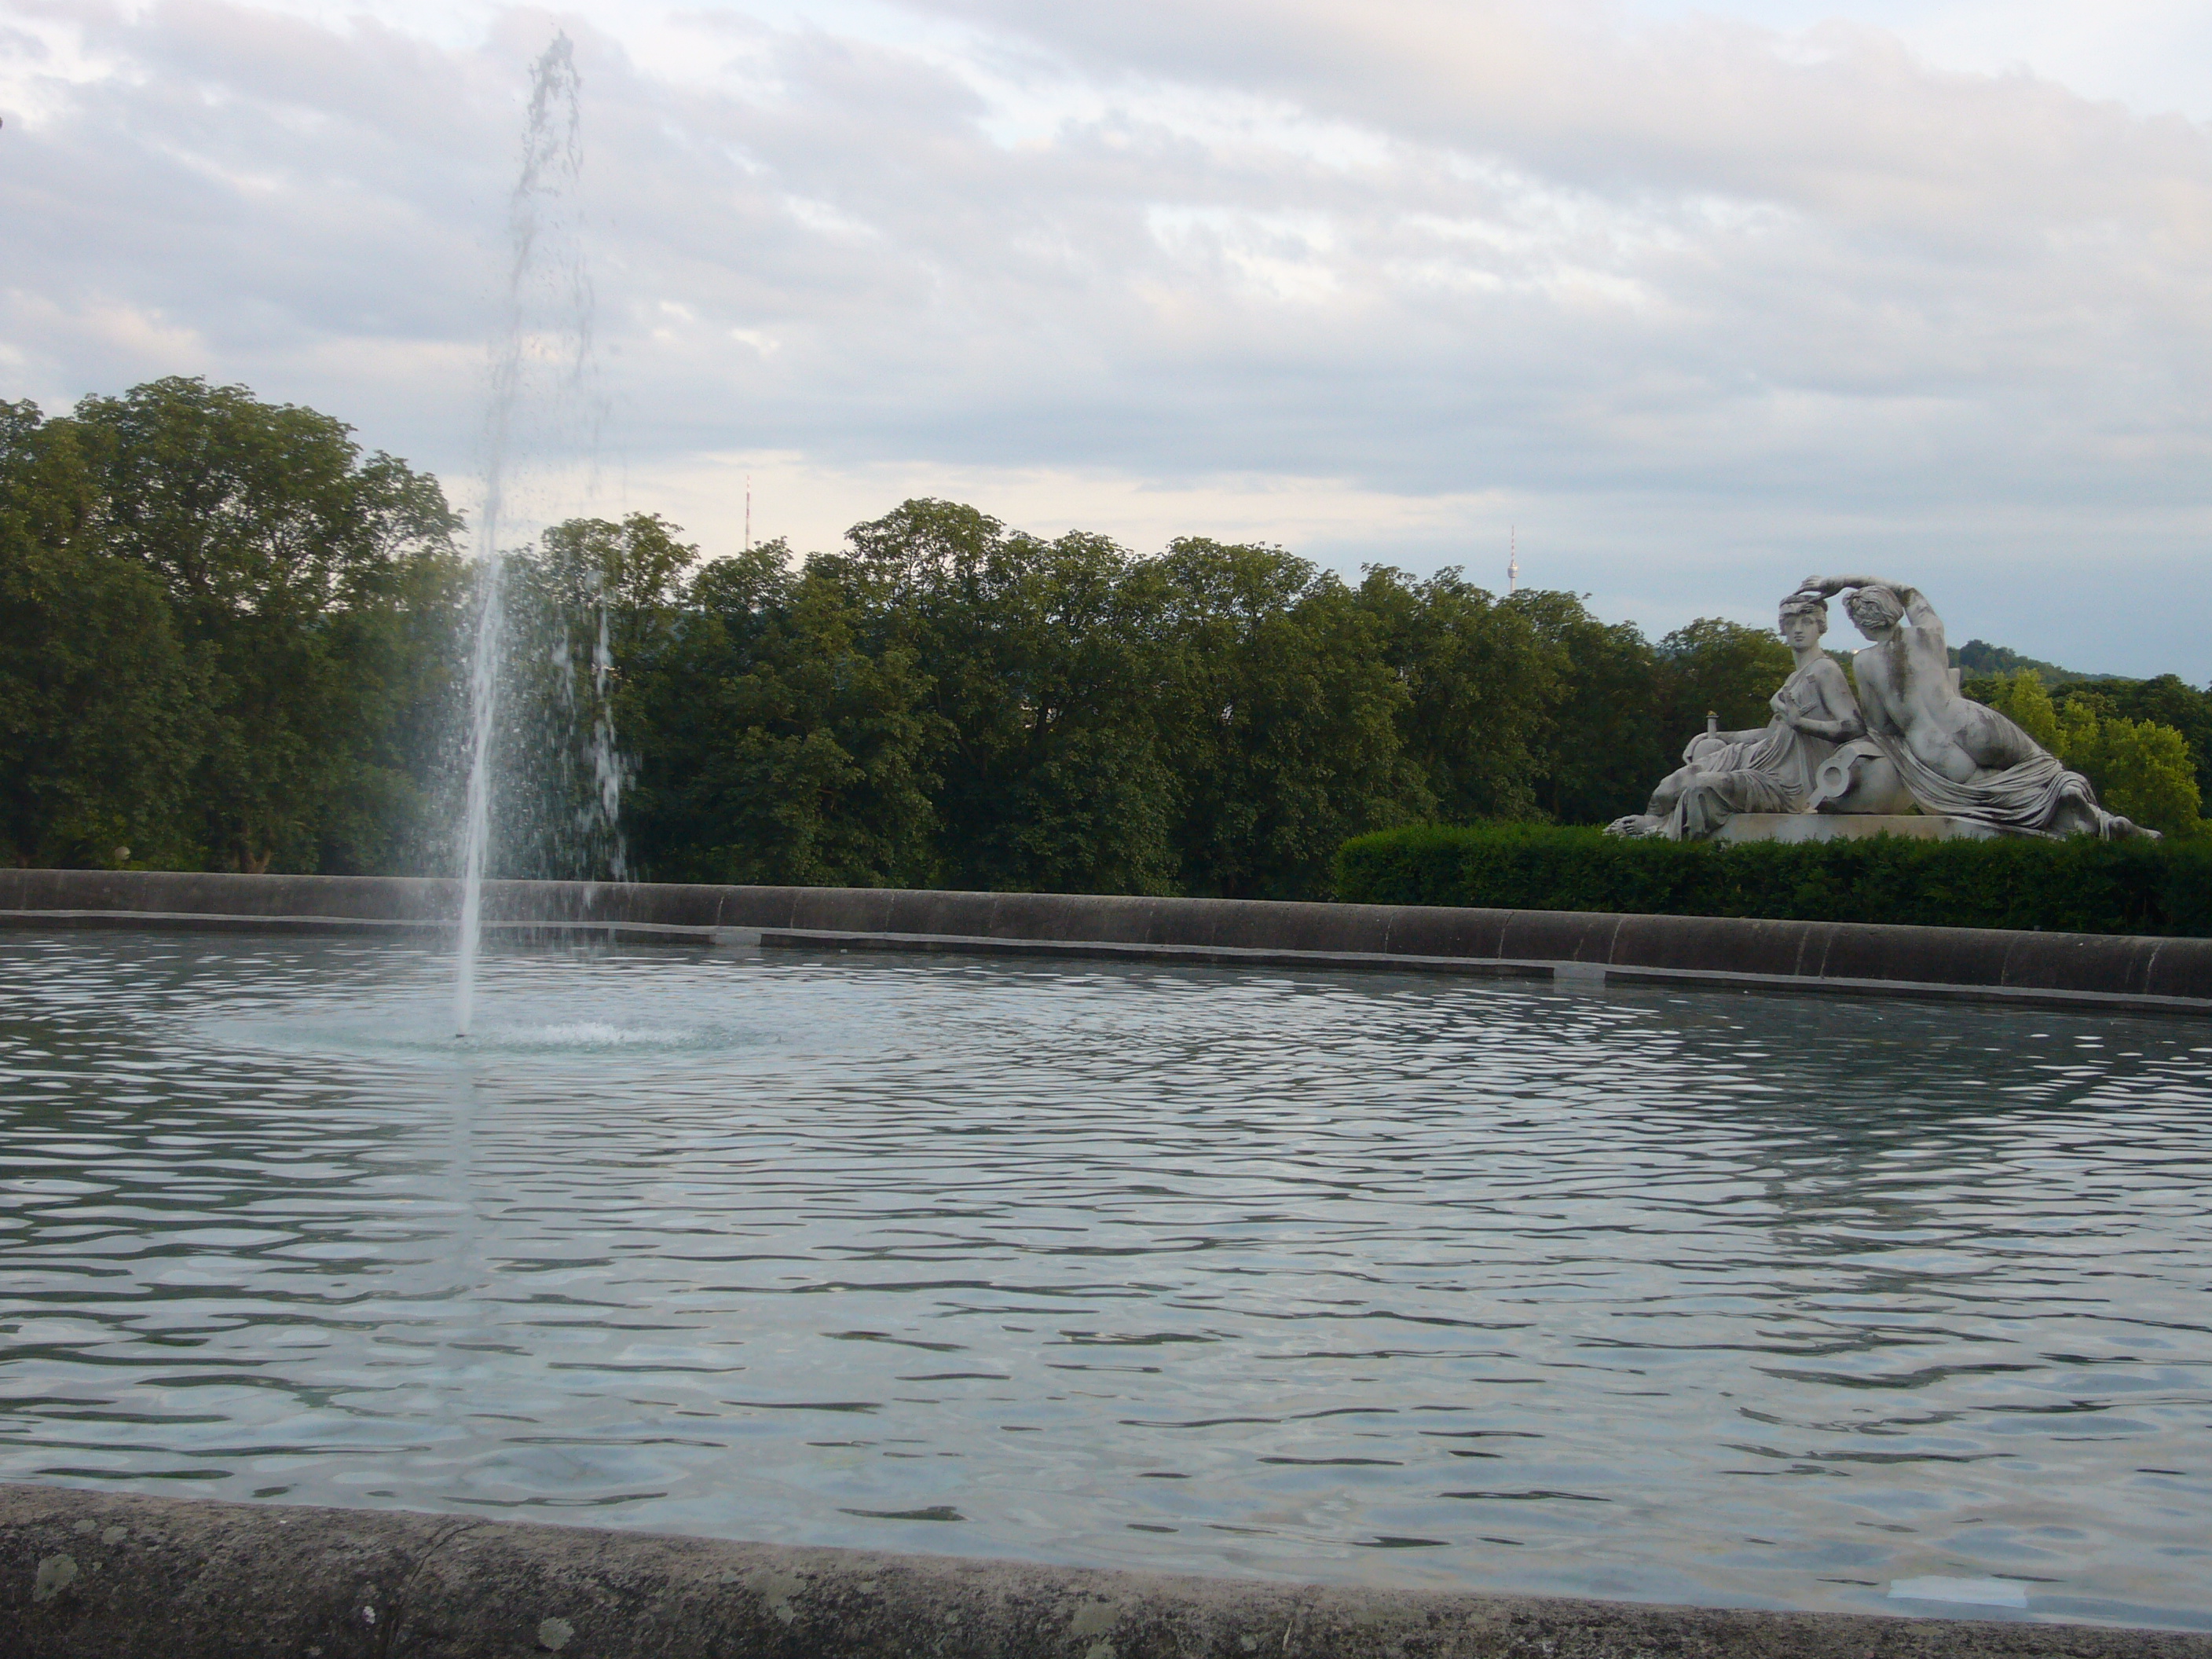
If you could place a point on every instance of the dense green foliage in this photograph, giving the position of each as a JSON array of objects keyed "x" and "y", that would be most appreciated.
[
  {"x": 228, "y": 633},
  {"x": 2077, "y": 885},
  {"x": 235, "y": 640},
  {"x": 2148, "y": 767},
  {"x": 948, "y": 702}
]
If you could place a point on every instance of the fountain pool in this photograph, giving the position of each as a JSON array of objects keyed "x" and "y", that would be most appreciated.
[{"x": 1736, "y": 1299}]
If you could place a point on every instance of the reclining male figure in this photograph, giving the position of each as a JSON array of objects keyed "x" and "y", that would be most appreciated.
[{"x": 1957, "y": 756}]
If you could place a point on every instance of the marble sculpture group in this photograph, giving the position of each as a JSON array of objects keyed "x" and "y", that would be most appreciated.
[{"x": 1906, "y": 742}]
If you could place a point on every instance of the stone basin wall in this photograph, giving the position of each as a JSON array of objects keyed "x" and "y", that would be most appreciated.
[
  {"x": 2077, "y": 969},
  {"x": 107, "y": 1576}
]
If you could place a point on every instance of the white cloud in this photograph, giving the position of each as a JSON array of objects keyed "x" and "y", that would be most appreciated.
[
  {"x": 2147, "y": 54},
  {"x": 1690, "y": 299}
]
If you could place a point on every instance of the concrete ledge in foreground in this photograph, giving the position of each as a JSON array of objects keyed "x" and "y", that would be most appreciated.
[
  {"x": 2087, "y": 970},
  {"x": 100, "y": 1576}
]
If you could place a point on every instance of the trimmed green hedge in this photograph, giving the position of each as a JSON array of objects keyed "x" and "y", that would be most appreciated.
[{"x": 2078, "y": 885}]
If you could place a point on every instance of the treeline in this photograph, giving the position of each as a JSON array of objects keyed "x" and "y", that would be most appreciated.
[
  {"x": 234, "y": 641},
  {"x": 947, "y": 702}
]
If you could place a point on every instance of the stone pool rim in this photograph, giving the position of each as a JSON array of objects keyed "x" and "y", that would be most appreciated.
[
  {"x": 86, "y": 1573},
  {"x": 1581, "y": 949}
]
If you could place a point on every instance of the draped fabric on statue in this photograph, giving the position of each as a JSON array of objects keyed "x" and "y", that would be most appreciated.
[
  {"x": 1770, "y": 773},
  {"x": 2026, "y": 799}
]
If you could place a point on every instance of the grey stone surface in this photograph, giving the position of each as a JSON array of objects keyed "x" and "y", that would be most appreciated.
[
  {"x": 1860, "y": 778},
  {"x": 106, "y": 1576},
  {"x": 2064, "y": 968}
]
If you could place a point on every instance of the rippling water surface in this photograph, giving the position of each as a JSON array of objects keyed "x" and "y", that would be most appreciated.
[{"x": 1761, "y": 1301}]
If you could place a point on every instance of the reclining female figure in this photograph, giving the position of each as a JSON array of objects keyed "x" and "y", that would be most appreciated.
[{"x": 1768, "y": 770}]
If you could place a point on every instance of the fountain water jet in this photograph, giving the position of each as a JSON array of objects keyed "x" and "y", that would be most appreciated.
[{"x": 541, "y": 370}]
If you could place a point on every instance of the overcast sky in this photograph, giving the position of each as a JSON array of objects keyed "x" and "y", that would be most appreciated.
[{"x": 1697, "y": 299}]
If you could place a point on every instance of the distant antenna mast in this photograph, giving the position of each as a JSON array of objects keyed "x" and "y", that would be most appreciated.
[
  {"x": 749, "y": 511},
  {"x": 1512, "y": 560}
]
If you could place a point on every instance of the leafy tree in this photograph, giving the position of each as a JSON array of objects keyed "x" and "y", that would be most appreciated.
[
  {"x": 1042, "y": 659},
  {"x": 792, "y": 744},
  {"x": 99, "y": 726},
  {"x": 1283, "y": 720},
  {"x": 589, "y": 614},
  {"x": 1481, "y": 681},
  {"x": 1607, "y": 739},
  {"x": 2169, "y": 701},
  {"x": 2146, "y": 771},
  {"x": 627, "y": 577},
  {"x": 2020, "y": 697},
  {"x": 398, "y": 666},
  {"x": 1714, "y": 667},
  {"x": 265, "y": 526},
  {"x": 2078, "y": 725},
  {"x": 2166, "y": 700},
  {"x": 2140, "y": 769}
]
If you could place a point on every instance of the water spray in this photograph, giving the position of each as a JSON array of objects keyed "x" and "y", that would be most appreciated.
[{"x": 539, "y": 212}]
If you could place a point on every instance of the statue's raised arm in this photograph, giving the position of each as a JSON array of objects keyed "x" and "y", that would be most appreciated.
[{"x": 1907, "y": 605}]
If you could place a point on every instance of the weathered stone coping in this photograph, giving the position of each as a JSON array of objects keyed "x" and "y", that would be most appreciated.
[
  {"x": 87, "y": 1574},
  {"x": 2085, "y": 971}
]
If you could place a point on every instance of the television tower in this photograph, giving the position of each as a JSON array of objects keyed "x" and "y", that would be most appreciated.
[
  {"x": 749, "y": 511},
  {"x": 1512, "y": 560}
]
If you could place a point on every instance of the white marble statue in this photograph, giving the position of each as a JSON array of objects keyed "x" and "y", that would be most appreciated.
[
  {"x": 1956, "y": 757},
  {"x": 1773, "y": 768}
]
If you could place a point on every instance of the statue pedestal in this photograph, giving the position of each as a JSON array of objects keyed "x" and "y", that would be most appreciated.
[{"x": 1847, "y": 826}]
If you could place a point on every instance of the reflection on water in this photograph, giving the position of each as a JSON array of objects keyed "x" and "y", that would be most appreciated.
[{"x": 1703, "y": 1297}]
